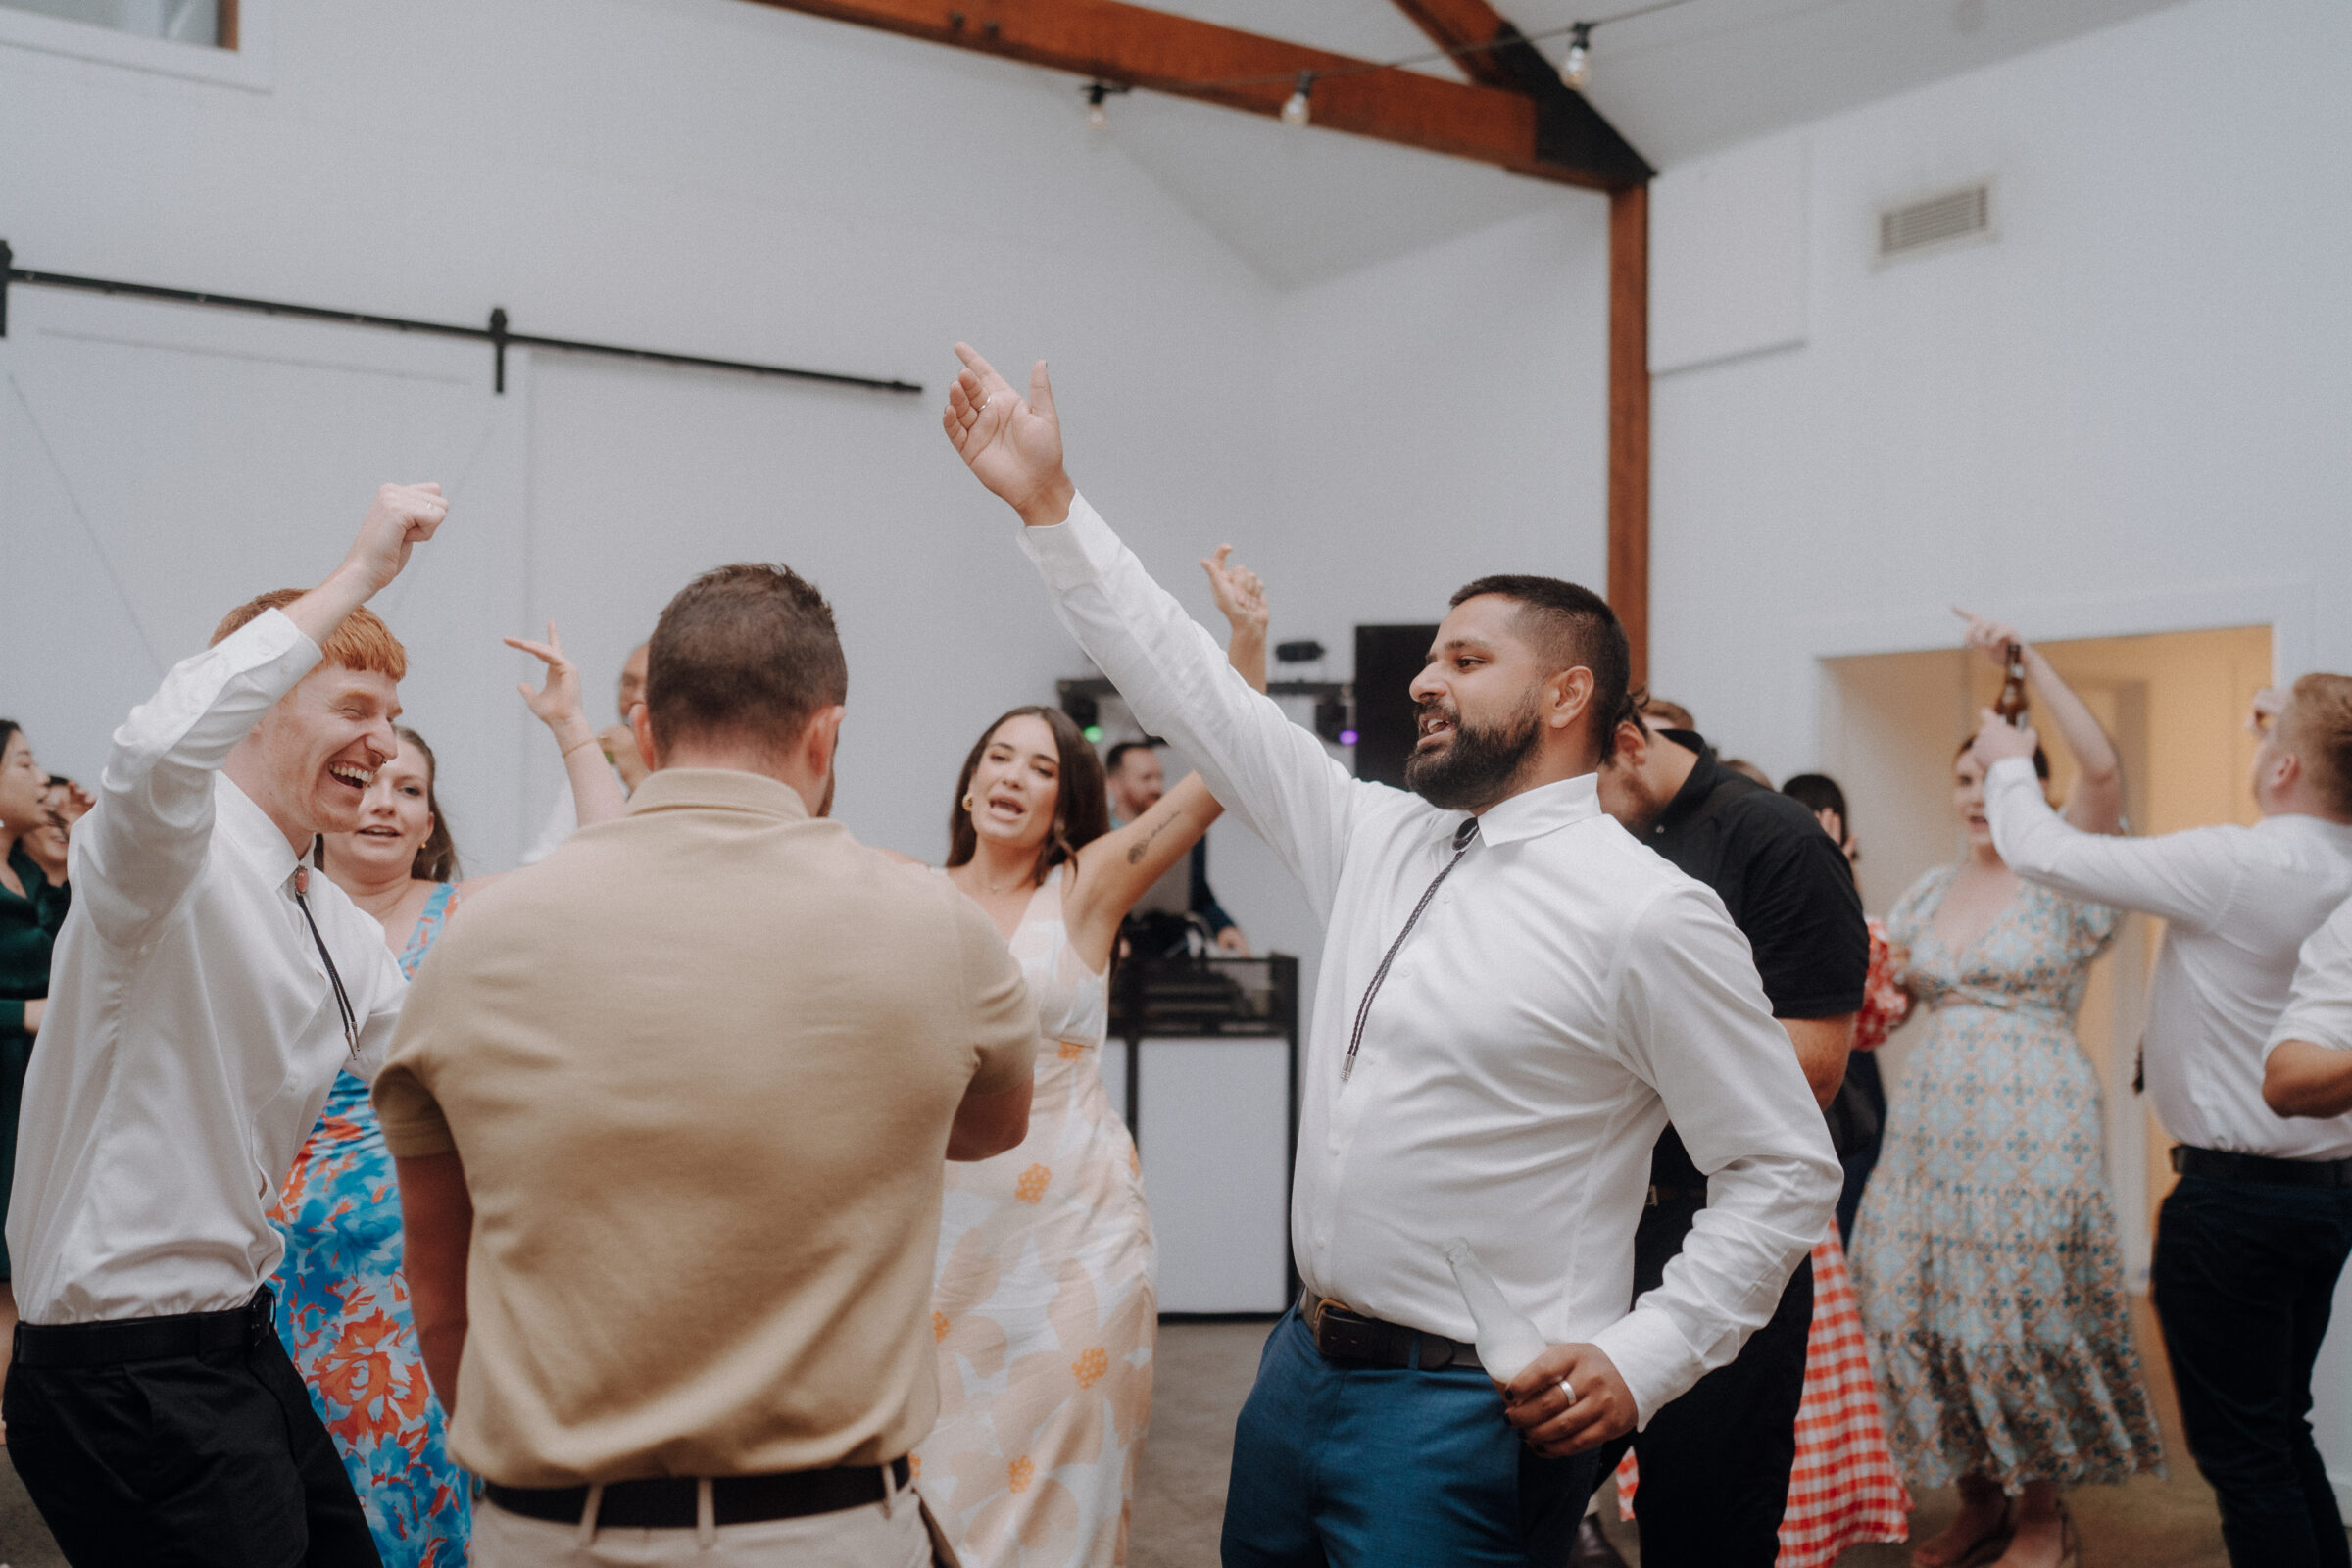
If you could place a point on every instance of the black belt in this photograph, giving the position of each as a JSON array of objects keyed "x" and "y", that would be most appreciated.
[
  {"x": 668, "y": 1501},
  {"x": 2215, "y": 1164},
  {"x": 148, "y": 1338},
  {"x": 1345, "y": 1335}
]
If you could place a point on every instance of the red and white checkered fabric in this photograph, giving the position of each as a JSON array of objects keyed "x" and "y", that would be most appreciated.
[{"x": 1845, "y": 1487}]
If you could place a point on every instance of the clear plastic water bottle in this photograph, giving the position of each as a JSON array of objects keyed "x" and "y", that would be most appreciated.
[{"x": 1507, "y": 1339}]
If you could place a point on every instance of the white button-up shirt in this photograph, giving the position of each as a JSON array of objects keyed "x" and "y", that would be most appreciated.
[
  {"x": 192, "y": 1033},
  {"x": 2237, "y": 902},
  {"x": 2320, "y": 1007},
  {"x": 1564, "y": 994}
]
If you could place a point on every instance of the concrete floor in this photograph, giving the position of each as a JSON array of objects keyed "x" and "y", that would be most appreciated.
[{"x": 1205, "y": 1371}]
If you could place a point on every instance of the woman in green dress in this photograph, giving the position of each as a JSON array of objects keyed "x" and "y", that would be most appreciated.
[{"x": 31, "y": 910}]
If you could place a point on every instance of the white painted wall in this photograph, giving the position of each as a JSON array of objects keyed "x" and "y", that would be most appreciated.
[
  {"x": 2131, "y": 412},
  {"x": 2126, "y": 414},
  {"x": 724, "y": 178}
]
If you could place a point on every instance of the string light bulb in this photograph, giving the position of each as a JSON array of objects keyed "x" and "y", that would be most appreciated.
[
  {"x": 1097, "y": 118},
  {"x": 1295, "y": 109},
  {"x": 1577, "y": 68}
]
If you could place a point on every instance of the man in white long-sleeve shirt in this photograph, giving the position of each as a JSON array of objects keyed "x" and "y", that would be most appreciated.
[
  {"x": 206, "y": 991},
  {"x": 2251, "y": 1239},
  {"x": 1516, "y": 996}
]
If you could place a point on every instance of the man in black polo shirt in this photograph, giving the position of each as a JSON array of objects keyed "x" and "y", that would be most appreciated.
[{"x": 1715, "y": 1463}]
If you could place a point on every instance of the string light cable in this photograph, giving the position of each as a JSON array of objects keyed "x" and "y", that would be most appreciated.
[{"x": 1575, "y": 67}]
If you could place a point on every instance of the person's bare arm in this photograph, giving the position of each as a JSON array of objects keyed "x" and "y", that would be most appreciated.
[
  {"x": 436, "y": 1215},
  {"x": 404, "y": 517},
  {"x": 2303, "y": 1078},
  {"x": 1822, "y": 1047},
  {"x": 1128, "y": 860},
  {"x": 595, "y": 793},
  {"x": 2096, "y": 804},
  {"x": 987, "y": 1125}
]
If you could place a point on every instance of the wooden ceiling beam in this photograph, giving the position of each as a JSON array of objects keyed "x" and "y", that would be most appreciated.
[
  {"x": 1112, "y": 41},
  {"x": 1496, "y": 53}
]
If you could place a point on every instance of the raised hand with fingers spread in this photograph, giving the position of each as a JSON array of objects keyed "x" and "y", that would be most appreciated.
[{"x": 1012, "y": 444}]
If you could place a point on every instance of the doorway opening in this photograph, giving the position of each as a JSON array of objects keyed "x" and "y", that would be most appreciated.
[{"x": 2174, "y": 704}]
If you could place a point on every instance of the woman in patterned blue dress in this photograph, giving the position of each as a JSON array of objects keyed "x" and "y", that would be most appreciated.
[
  {"x": 342, "y": 1303},
  {"x": 1985, "y": 1258}
]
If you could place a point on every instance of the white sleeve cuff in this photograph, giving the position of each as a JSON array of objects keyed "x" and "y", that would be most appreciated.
[
  {"x": 2009, "y": 770},
  {"x": 1648, "y": 1353},
  {"x": 1074, "y": 551}
]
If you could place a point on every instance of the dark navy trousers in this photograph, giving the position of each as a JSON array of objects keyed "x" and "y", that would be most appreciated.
[{"x": 1355, "y": 1468}]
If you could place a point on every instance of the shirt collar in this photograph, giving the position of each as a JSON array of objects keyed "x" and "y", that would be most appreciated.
[
  {"x": 724, "y": 788},
  {"x": 2304, "y": 822},
  {"x": 250, "y": 830},
  {"x": 1532, "y": 813},
  {"x": 1697, "y": 787}
]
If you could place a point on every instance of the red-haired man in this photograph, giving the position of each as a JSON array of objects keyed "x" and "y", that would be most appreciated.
[{"x": 206, "y": 991}]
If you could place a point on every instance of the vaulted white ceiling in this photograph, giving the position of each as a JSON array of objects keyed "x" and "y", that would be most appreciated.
[{"x": 1679, "y": 83}]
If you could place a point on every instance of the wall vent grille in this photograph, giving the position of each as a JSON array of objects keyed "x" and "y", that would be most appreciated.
[{"x": 1934, "y": 222}]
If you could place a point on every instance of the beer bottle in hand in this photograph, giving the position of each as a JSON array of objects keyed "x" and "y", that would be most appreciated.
[
  {"x": 2011, "y": 703},
  {"x": 1507, "y": 1338}
]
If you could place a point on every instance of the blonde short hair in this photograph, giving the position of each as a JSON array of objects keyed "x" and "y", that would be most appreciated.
[
  {"x": 2316, "y": 725},
  {"x": 361, "y": 642}
]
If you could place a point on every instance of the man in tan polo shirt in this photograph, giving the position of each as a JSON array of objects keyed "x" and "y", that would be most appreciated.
[{"x": 668, "y": 1110}]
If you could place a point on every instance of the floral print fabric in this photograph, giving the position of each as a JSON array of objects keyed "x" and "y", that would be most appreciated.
[
  {"x": 1045, "y": 1307},
  {"x": 343, "y": 1312},
  {"x": 1985, "y": 1258}
]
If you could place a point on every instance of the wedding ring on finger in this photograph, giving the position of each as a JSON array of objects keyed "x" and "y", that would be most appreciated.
[{"x": 1571, "y": 1392}]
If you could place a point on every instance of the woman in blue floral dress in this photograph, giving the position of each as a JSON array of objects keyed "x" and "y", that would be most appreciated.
[
  {"x": 342, "y": 1303},
  {"x": 1985, "y": 1256}
]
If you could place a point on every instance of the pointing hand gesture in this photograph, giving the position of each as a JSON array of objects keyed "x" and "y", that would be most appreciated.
[
  {"x": 1012, "y": 444},
  {"x": 556, "y": 704},
  {"x": 1238, "y": 591}
]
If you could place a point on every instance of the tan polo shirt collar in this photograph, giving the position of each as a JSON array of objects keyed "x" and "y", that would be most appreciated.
[{"x": 726, "y": 789}]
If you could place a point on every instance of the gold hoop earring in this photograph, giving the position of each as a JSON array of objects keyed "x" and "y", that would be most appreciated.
[{"x": 967, "y": 803}]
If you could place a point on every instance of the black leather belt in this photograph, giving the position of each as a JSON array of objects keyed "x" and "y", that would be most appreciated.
[
  {"x": 1661, "y": 1196},
  {"x": 1350, "y": 1336},
  {"x": 148, "y": 1338},
  {"x": 2219, "y": 1165},
  {"x": 667, "y": 1503}
]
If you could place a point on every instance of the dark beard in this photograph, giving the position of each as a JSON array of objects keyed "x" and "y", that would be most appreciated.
[{"x": 1477, "y": 770}]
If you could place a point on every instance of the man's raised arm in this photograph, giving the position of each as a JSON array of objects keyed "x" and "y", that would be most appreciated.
[
  {"x": 142, "y": 845},
  {"x": 1265, "y": 770}
]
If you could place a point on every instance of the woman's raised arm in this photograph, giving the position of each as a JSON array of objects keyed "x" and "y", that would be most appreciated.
[
  {"x": 557, "y": 704},
  {"x": 2097, "y": 804},
  {"x": 1118, "y": 869}
]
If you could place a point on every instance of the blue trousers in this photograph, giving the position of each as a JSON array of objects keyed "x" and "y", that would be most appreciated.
[
  {"x": 1357, "y": 1467},
  {"x": 2244, "y": 1277}
]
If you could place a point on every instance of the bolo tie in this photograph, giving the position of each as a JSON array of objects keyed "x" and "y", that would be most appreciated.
[
  {"x": 351, "y": 1019},
  {"x": 1462, "y": 837}
]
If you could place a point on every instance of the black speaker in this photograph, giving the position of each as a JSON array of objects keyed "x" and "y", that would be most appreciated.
[{"x": 1386, "y": 659}]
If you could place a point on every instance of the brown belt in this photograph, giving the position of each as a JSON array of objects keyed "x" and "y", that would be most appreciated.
[
  {"x": 667, "y": 1503},
  {"x": 1352, "y": 1338}
]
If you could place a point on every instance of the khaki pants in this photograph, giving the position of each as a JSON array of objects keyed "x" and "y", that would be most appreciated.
[{"x": 897, "y": 1534}]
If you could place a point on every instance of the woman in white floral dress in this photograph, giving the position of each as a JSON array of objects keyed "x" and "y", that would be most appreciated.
[
  {"x": 1985, "y": 1256},
  {"x": 1045, "y": 1307}
]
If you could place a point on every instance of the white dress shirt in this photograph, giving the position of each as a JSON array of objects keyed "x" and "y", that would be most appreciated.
[
  {"x": 2320, "y": 1007},
  {"x": 1564, "y": 994},
  {"x": 2237, "y": 902},
  {"x": 192, "y": 1033}
]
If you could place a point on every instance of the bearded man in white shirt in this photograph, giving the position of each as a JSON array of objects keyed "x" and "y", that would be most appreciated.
[
  {"x": 2252, "y": 1238},
  {"x": 1516, "y": 994},
  {"x": 205, "y": 992}
]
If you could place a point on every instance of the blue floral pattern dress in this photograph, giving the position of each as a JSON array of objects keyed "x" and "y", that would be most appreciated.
[
  {"x": 1986, "y": 1260},
  {"x": 343, "y": 1311}
]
